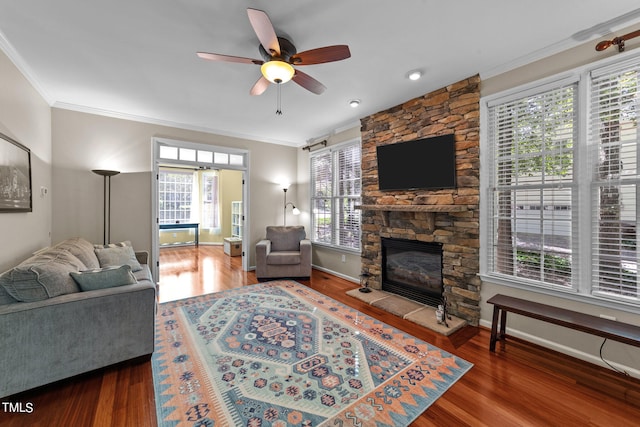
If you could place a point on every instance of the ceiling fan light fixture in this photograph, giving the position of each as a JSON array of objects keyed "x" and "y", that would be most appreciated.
[{"x": 277, "y": 71}]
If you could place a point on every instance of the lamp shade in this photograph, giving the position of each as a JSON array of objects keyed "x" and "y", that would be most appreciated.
[{"x": 277, "y": 71}]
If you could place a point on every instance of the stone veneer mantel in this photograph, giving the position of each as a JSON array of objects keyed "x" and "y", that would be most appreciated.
[
  {"x": 414, "y": 208},
  {"x": 432, "y": 209}
]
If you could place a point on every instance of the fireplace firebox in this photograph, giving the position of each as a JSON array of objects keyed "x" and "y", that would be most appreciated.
[{"x": 413, "y": 269}]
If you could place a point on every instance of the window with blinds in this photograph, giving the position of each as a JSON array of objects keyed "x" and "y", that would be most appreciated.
[
  {"x": 532, "y": 181},
  {"x": 562, "y": 183},
  {"x": 335, "y": 192},
  {"x": 613, "y": 133}
]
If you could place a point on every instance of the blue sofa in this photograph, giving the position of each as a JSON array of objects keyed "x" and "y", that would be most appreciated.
[{"x": 71, "y": 309}]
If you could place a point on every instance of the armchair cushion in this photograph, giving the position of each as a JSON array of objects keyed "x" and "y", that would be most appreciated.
[
  {"x": 283, "y": 258},
  {"x": 285, "y": 238}
]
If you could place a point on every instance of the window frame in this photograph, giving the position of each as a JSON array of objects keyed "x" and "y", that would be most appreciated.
[
  {"x": 161, "y": 192},
  {"x": 582, "y": 289},
  {"x": 335, "y": 197}
]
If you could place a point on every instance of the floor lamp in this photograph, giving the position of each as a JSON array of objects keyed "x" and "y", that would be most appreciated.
[
  {"x": 106, "y": 175},
  {"x": 295, "y": 211}
]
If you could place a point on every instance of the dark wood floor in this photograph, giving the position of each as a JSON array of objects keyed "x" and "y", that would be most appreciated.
[{"x": 521, "y": 384}]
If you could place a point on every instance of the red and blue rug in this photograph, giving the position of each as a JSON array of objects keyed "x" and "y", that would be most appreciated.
[{"x": 280, "y": 354}]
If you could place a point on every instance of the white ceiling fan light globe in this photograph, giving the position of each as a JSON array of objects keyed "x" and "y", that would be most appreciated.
[{"x": 277, "y": 71}]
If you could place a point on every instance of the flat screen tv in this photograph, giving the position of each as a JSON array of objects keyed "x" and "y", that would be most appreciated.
[{"x": 428, "y": 163}]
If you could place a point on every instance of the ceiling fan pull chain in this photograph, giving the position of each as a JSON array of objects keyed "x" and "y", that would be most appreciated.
[{"x": 279, "y": 107}]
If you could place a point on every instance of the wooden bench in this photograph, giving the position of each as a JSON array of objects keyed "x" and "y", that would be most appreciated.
[{"x": 606, "y": 328}]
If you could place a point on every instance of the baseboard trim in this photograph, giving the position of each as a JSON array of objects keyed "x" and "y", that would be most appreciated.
[
  {"x": 569, "y": 351},
  {"x": 335, "y": 273}
]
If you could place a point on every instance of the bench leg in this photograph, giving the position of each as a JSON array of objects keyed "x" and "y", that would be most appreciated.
[
  {"x": 503, "y": 325},
  {"x": 494, "y": 328}
]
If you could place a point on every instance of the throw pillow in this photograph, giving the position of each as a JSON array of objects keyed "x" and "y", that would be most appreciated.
[
  {"x": 43, "y": 276},
  {"x": 5, "y": 298},
  {"x": 114, "y": 245},
  {"x": 101, "y": 278},
  {"x": 115, "y": 256},
  {"x": 82, "y": 249}
]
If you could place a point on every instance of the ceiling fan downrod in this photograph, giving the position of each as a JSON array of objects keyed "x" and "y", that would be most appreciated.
[{"x": 279, "y": 105}]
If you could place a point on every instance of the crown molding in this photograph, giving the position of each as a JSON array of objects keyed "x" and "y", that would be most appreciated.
[
  {"x": 17, "y": 60},
  {"x": 577, "y": 39},
  {"x": 167, "y": 123}
]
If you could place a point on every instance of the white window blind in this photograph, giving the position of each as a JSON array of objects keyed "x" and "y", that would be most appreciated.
[
  {"x": 549, "y": 153},
  {"x": 321, "y": 195},
  {"x": 613, "y": 134},
  {"x": 532, "y": 187},
  {"x": 335, "y": 191},
  {"x": 347, "y": 228}
]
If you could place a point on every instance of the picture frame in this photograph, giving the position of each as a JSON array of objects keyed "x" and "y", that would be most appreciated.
[{"x": 15, "y": 176}]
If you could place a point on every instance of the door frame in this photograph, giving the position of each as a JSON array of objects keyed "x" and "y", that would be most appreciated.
[{"x": 157, "y": 160}]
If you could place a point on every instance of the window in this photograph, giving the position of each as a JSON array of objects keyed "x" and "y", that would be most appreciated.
[
  {"x": 561, "y": 181},
  {"x": 176, "y": 191},
  {"x": 180, "y": 198},
  {"x": 614, "y": 134},
  {"x": 210, "y": 205},
  {"x": 335, "y": 192}
]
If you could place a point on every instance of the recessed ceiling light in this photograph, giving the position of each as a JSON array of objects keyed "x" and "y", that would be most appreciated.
[
  {"x": 354, "y": 103},
  {"x": 414, "y": 75}
]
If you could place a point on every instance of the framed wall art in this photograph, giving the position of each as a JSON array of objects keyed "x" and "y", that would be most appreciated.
[{"x": 15, "y": 176}]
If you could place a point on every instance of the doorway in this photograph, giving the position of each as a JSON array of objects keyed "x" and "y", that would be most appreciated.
[{"x": 208, "y": 200}]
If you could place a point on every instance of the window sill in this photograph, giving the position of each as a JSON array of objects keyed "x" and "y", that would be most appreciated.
[
  {"x": 568, "y": 294},
  {"x": 336, "y": 248}
]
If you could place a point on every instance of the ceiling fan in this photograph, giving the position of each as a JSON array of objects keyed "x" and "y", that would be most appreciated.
[{"x": 280, "y": 56}]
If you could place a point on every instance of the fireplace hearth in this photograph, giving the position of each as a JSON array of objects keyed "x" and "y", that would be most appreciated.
[{"x": 413, "y": 269}]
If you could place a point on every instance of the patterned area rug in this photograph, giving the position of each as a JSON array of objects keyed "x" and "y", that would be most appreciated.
[{"x": 280, "y": 354}]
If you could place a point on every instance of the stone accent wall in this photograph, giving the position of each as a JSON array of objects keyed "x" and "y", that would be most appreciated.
[{"x": 453, "y": 109}]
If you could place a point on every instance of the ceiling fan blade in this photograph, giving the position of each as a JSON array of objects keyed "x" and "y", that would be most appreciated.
[
  {"x": 308, "y": 82},
  {"x": 261, "y": 85},
  {"x": 321, "y": 55},
  {"x": 264, "y": 30},
  {"x": 228, "y": 58}
]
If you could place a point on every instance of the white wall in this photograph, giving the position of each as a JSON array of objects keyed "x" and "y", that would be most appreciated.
[
  {"x": 577, "y": 344},
  {"x": 26, "y": 117},
  {"x": 82, "y": 142}
]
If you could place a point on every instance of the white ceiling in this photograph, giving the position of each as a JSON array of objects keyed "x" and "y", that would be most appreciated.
[{"x": 137, "y": 58}]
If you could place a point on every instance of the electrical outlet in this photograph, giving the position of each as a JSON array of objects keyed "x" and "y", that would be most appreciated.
[
  {"x": 344, "y": 258},
  {"x": 605, "y": 316}
]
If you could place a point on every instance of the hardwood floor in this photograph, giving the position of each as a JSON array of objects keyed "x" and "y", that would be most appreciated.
[{"x": 521, "y": 384}]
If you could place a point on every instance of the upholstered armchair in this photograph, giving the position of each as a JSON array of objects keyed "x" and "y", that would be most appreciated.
[{"x": 285, "y": 252}]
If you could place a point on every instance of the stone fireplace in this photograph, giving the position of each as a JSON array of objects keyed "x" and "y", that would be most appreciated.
[{"x": 448, "y": 218}]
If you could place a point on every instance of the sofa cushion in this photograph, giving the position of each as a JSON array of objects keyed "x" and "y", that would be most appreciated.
[
  {"x": 144, "y": 274},
  {"x": 115, "y": 256},
  {"x": 82, "y": 249},
  {"x": 285, "y": 238},
  {"x": 107, "y": 277},
  {"x": 42, "y": 276}
]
